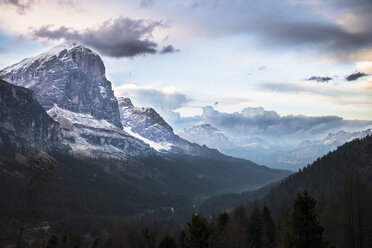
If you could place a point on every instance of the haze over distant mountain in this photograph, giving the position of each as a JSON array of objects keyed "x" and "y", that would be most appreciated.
[
  {"x": 263, "y": 152},
  {"x": 205, "y": 134},
  {"x": 309, "y": 151}
]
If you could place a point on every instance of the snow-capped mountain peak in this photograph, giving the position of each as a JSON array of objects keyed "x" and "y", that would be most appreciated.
[
  {"x": 307, "y": 151},
  {"x": 38, "y": 61},
  {"x": 125, "y": 102},
  {"x": 147, "y": 125},
  {"x": 144, "y": 121},
  {"x": 206, "y": 134},
  {"x": 69, "y": 75}
]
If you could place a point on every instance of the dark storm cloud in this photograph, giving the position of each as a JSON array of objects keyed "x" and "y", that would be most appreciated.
[
  {"x": 319, "y": 79},
  {"x": 169, "y": 49},
  {"x": 355, "y": 76},
  {"x": 302, "y": 24},
  {"x": 325, "y": 35},
  {"x": 261, "y": 121},
  {"x": 122, "y": 37},
  {"x": 20, "y": 5}
]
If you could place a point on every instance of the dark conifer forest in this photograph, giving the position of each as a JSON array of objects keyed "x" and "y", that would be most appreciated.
[{"x": 326, "y": 204}]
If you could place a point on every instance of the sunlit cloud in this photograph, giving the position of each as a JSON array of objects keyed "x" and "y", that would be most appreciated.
[{"x": 365, "y": 66}]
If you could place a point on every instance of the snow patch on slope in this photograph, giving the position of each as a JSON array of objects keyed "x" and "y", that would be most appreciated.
[
  {"x": 103, "y": 91},
  {"x": 79, "y": 118},
  {"x": 157, "y": 146},
  {"x": 90, "y": 137}
]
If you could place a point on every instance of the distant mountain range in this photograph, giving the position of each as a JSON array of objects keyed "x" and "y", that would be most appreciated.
[
  {"x": 262, "y": 152},
  {"x": 309, "y": 151}
]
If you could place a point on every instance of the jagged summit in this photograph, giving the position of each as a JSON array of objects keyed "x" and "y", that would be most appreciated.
[
  {"x": 144, "y": 121},
  {"x": 206, "y": 134},
  {"x": 38, "y": 61},
  {"x": 307, "y": 151},
  {"x": 71, "y": 76},
  {"x": 205, "y": 127},
  {"x": 125, "y": 102}
]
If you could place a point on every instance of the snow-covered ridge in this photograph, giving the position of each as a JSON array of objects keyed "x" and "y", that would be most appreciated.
[
  {"x": 68, "y": 119},
  {"x": 79, "y": 118},
  {"x": 91, "y": 137},
  {"x": 47, "y": 56},
  {"x": 206, "y": 134},
  {"x": 145, "y": 122},
  {"x": 342, "y": 136},
  {"x": 308, "y": 151}
]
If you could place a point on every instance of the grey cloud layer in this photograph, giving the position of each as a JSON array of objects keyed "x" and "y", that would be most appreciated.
[
  {"x": 257, "y": 121},
  {"x": 122, "y": 37},
  {"x": 319, "y": 79},
  {"x": 20, "y": 5},
  {"x": 282, "y": 23},
  {"x": 169, "y": 49},
  {"x": 247, "y": 122},
  {"x": 279, "y": 23}
]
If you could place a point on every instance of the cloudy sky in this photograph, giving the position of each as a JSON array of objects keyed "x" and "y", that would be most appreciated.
[{"x": 248, "y": 66}]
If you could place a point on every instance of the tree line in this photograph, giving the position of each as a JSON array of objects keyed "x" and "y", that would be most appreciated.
[{"x": 334, "y": 220}]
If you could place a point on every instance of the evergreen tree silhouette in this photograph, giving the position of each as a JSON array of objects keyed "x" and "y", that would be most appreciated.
[
  {"x": 305, "y": 230},
  {"x": 198, "y": 232}
]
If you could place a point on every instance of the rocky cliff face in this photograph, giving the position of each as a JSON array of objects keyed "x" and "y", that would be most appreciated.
[
  {"x": 145, "y": 121},
  {"x": 90, "y": 137},
  {"x": 71, "y": 76},
  {"x": 24, "y": 124}
]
